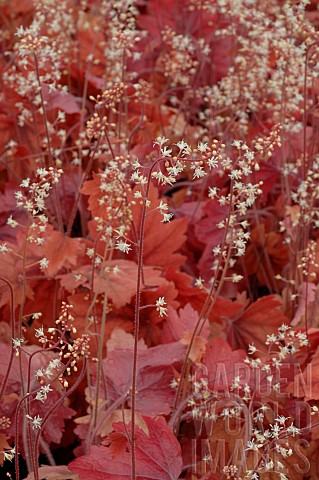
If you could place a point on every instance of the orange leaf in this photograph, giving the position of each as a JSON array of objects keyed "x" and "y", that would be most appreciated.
[
  {"x": 3, "y": 447},
  {"x": 161, "y": 240},
  {"x": 262, "y": 318},
  {"x": 61, "y": 251}
]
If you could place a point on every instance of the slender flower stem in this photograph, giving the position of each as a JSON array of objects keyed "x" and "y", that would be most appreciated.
[
  {"x": 137, "y": 318},
  {"x": 12, "y": 321}
]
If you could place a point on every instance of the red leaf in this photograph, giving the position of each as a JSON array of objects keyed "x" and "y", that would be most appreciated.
[
  {"x": 263, "y": 244},
  {"x": 117, "y": 279},
  {"x": 53, "y": 430},
  {"x": 4, "y": 446},
  {"x": 306, "y": 384},
  {"x": 160, "y": 244},
  {"x": 155, "y": 372},
  {"x": 177, "y": 324},
  {"x": 180, "y": 326},
  {"x": 262, "y": 318},
  {"x": 206, "y": 229},
  {"x": 11, "y": 269},
  {"x": 158, "y": 456},
  {"x": 222, "y": 363},
  {"x": 61, "y": 100},
  {"x": 61, "y": 251},
  {"x": 56, "y": 472}
]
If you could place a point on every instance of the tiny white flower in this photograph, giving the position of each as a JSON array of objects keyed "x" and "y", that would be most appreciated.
[
  {"x": 44, "y": 263},
  {"x": 36, "y": 421},
  {"x": 40, "y": 397},
  {"x": 160, "y": 141},
  {"x": 162, "y": 206},
  {"x": 213, "y": 162},
  {"x": 199, "y": 172},
  {"x": 202, "y": 147},
  {"x": 166, "y": 152},
  {"x": 39, "y": 373},
  {"x": 293, "y": 430},
  {"x": 123, "y": 246},
  {"x": 167, "y": 217},
  {"x": 251, "y": 349},
  {"x": 3, "y": 248},
  {"x": 199, "y": 282},
  {"x": 17, "y": 342},
  {"x": 39, "y": 332},
  {"x": 42, "y": 172},
  {"x": 160, "y": 302},
  {"x": 181, "y": 144},
  {"x": 174, "y": 383},
  {"x": 12, "y": 223},
  {"x": 25, "y": 183},
  {"x": 236, "y": 278},
  {"x": 9, "y": 455}
]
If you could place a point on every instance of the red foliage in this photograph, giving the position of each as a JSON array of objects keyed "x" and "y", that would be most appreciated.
[
  {"x": 157, "y": 221},
  {"x": 53, "y": 431},
  {"x": 158, "y": 455},
  {"x": 155, "y": 373}
]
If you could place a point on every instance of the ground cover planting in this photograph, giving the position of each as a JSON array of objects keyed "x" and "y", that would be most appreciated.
[{"x": 159, "y": 248}]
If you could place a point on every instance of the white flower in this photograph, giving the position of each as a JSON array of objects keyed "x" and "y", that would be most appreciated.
[
  {"x": 174, "y": 383},
  {"x": 39, "y": 373},
  {"x": 199, "y": 172},
  {"x": 213, "y": 162},
  {"x": 236, "y": 382},
  {"x": 9, "y": 455},
  {"x": 17, "y": 342},
  {"x": 236, "y": 143},
  {"x": 42, "y": 172},
  {"x": 207, "y": 458},
  {"x": 42, "y": 394},
  {"x": 39, "y": 396},
  {"x": 136, "y": 164},
  {"x": 199, "y": 282},
  {"x": 271, "y": 339},
  {"x": 160, "y": 302},
  {"x": 39, "y": 332},
  {"x": 202, "y": 147},
  {"x": 90, "y": 252},
  {"x": 162, "y": 206},
  {"x": 281, "y": 419},
  {"x": 212, "y": 192},
  {"x": 12, "y": 223},
  {"x": 249, "y": 155},
  {"x": 160, "y": 141},
  {"x": 3, "y": 248},
  {"x": 25, "y": 183},
  {"x": 167, "y": 217},
  {"x": 251, "y": 445},
  {"x": 251, "y": 349},
  {"x": 123, "y": 246},
  {"x": 181, "y": 144},
  {"x": 236, "y": 278},
  {"x": 166, "y": 152},
  {"x": 44, "y": 263},
  {"x": 293, "y": 430},
  {"x": 36, "y": 421}
]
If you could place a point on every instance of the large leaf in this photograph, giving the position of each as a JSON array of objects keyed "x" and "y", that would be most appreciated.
[
  {"x": 261, "y": 318},
  {"x": 155, "y": 372},
  {"x": 223, "y": 364},
  {"x": 158, "y": 455}
]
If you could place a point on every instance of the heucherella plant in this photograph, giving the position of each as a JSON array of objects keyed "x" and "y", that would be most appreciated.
[{"x": 158, "y": 239}]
